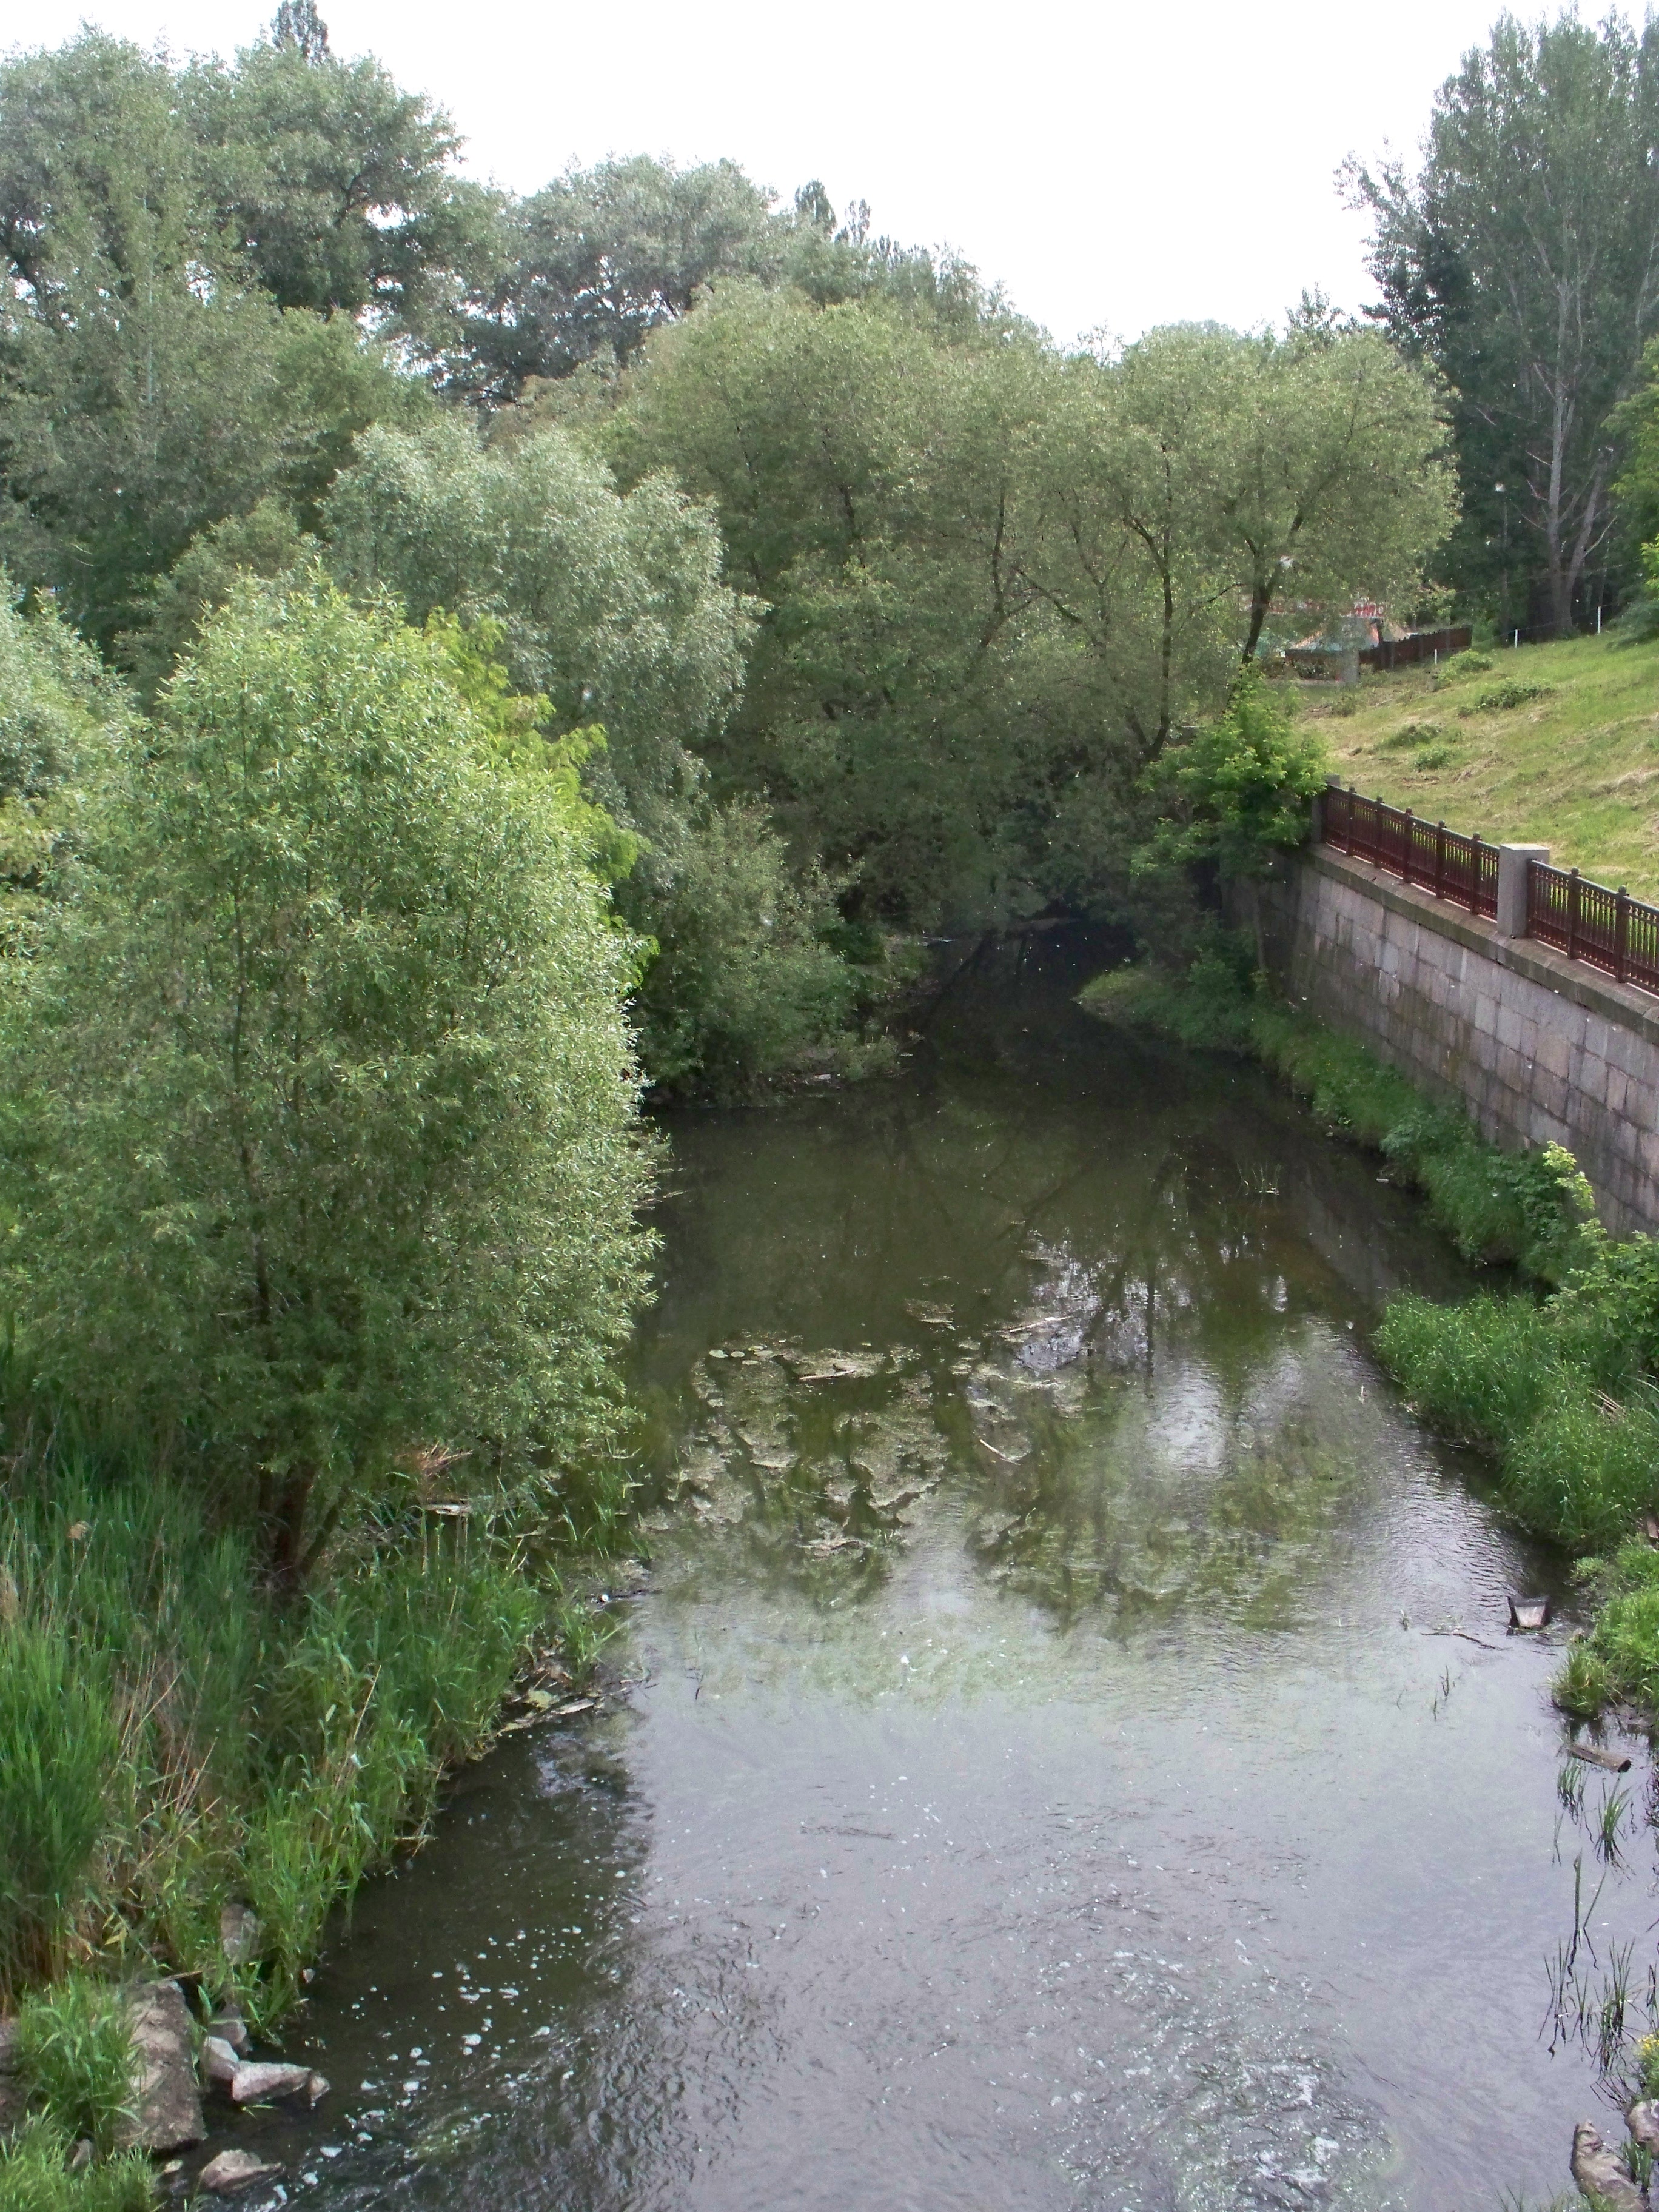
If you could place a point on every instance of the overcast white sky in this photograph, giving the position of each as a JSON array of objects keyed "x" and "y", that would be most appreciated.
[{"x": 1113, "y": 164}]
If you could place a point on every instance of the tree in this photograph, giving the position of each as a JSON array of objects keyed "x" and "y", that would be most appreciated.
[
  {"x": 1523, "y": 260},
  {"x": 147, "y": 392},
  {"x": 323, "y": 1140},
  {"x": 997, "y": 582},
  {"x": 297, "y": 24},
  {"x": 334, "y": 190},
  {"x": 613, "y": 607},
  {"x": 601, "y": 257},
  {"x": 63, "y": 724}
]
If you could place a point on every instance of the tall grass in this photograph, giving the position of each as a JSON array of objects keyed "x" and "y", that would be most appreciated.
[
  {"x": 76, "y": 2053},
  {"x": 57, "y": 1751},
  {"x": 35, "y": 2177},
  {"x": 176, "y": 1740}
]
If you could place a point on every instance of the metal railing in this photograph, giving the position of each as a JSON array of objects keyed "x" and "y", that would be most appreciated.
[
  {"x": 1453, "y": 866},
  {"x": 1609, "y": 930},
  {"x": 1604, "y": 928}
]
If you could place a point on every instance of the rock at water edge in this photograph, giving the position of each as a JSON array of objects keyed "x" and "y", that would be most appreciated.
[
  {"x": 1601, "y": 2175},
  {"x": 239, "y": 1933},
  {"x": 233, "y": 2170},
  {"x": 254, "y": 2084},
  {"x": 219, "y": 2064},
  {"x": 168, "y": 2099}
]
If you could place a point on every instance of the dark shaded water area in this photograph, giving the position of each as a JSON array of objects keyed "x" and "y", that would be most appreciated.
[{"x": 1050, "y": 1776}]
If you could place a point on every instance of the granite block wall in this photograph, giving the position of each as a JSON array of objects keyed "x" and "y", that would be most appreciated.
[{"x": 1540, "y": 1048}]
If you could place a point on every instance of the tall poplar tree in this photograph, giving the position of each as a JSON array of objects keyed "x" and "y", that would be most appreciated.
[{"x": 1522, "y": 258}]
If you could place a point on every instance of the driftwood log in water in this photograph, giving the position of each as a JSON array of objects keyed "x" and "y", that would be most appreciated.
[
  {"x": 1616, "y": 1762},
  {"x": 1601, "y": 2173}
]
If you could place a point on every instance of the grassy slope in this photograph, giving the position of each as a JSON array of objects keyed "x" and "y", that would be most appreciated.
[{"x": 1578, "y": 771}]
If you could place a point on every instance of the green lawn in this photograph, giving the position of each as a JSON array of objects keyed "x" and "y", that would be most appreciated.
[{"x": 1576, "y": 771}]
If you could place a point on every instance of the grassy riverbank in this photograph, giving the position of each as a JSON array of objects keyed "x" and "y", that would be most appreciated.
[
  {"x": 183, "y": 1745},
  {"x": 1559, "y": 1389},
  {"x": 1574, "y": 765}
]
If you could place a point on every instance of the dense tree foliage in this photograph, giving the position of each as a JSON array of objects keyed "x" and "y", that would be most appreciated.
[
  {"x": 996, "y": 582},
  {"x": 148, "y": 388},
  {"x": 592, "y": 265},
  {"x": 321, "y": 1138},
  {"x": 855, "y": 603},
  {"x": 1522, "y": 259}
]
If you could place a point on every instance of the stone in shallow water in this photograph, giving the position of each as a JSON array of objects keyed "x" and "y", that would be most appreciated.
[
  {"x": 233, "y": 2170},
  {"x": 1601, "y": 2175},
  {"x": 254, "y": 2084},
  {"x": 219, "y": 2064}
]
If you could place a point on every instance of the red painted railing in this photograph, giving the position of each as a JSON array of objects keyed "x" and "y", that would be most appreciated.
[
  {"x": 1606, "y": 929},
  {"x": 1426, "y": 853},
  {"x": 1610, "y": 929}
]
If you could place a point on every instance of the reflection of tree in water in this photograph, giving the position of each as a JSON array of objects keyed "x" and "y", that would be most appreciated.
[{"x": 1140, "y": 1421}]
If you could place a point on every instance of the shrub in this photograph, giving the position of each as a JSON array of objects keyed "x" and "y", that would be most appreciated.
[
  {"x": 1469, "y": 663},
  {"x": 60, "y": 1747},
  {"x": 1638, "y": 624},
  {"x": 74, "y": 2052},
  {"x": 744, "y": 983}
]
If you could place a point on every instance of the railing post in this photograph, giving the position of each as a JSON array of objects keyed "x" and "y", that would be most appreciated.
[
  {"x": 1514, "y": 885},
  {"x": 1347, "y": 813},
  {"x": 1439, "y": 859},
  {"x": 1574, "y": 897},
  {"x": 1410, "y": 828},
  {"x": 1620, "y": 918},
  {"x": 1475, "y": 874}
]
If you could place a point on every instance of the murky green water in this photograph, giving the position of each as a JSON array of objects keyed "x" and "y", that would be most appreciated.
[{"x": 1050, "y": 1780}]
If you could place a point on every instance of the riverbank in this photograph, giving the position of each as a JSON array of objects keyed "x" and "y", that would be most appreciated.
[
  {"x": 1551, "y": 744},
  {"x": 199, "y": 1770},
  {"x": 1558, "y": 1390}
]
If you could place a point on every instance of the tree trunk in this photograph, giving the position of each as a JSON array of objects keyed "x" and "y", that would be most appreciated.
[{"x": 286, "y": 1558}]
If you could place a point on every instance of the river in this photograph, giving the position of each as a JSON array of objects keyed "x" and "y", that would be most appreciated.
[{"x": 1050, "y": 1776}]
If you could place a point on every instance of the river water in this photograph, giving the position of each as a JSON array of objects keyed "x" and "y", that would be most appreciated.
[{"x": 1050, "y": 1776}]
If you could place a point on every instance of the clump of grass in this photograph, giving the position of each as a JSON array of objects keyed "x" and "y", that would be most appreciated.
[
  {"x": 1620, "y": 1657},
  {"x": 1481, "y": 1372},
  {"x": 1469, "y": 663},
  {"x": 74, "y": 2053},
  {"x": 174, "y": 1739},
  {"x": 58, "y": 1753},
  {"x": 1411, "y": 735},
  {"x": 1434, "y": 756},
  {"x": 581, "y": 1640},
  {"x": 1501, "y": 698},
  {"x": 36, "y": 2175},
  {"x": 1208, "y": 1007}
]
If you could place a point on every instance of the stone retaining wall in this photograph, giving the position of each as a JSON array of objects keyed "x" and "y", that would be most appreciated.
[{"x": 1540, "y": 1048}]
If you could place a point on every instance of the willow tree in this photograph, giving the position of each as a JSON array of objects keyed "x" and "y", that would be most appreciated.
[{"x": 322, "y": 1148}]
